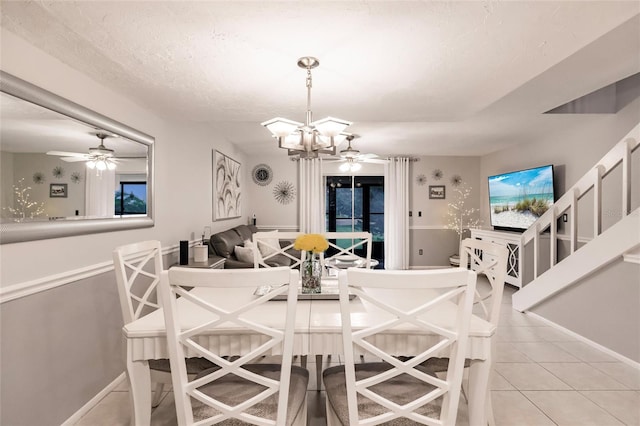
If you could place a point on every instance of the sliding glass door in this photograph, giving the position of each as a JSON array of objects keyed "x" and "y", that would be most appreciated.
[{"x": 354, "y": 204}]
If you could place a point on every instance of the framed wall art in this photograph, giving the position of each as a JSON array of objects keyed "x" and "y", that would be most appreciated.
[
  {"x": 227, "y": 200},
  {"x": 58, "y": 190},
  {"x": 436, "y": 192}
]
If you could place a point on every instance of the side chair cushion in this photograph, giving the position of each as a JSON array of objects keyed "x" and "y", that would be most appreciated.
[
  {"x": 436, "y": 365},
  {"x": 401, "y": 390},
  {"x": 194, "y": 365},
  {"x": 233, "y": 390}
]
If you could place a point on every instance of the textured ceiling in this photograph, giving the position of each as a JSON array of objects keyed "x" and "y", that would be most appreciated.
[{"x": 422, "y": 78}]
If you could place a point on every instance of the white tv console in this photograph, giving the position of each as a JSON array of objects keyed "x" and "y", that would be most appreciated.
[{"x": 514, "y": 256}]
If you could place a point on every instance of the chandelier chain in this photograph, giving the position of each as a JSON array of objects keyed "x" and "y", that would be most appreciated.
[{"x": 309, "y": 85}]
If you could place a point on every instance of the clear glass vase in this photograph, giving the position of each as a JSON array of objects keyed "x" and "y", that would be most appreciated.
[{"x": 311, "y": 274}]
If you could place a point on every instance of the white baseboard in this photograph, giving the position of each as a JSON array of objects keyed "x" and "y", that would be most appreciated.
[
  {"x": 591, "y": 343},
  {"x": 75, "y": 418}
]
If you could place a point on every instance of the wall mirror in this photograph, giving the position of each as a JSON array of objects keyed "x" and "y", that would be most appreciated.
[{"x": 66, "y": 170}]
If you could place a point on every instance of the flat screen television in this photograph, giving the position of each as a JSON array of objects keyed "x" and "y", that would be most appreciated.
[{"x": 518, "y": 198}]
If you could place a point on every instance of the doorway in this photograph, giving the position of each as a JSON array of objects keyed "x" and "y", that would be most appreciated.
[{"x": 356, "y": 204}]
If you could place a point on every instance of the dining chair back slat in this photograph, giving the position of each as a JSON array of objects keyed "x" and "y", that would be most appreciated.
[
  {"x": 488, "y": 259},
  {"x": 345, "y": 249},
  {"x": 390, "y": 389},
  {"x": 236, "y": 388},
  {"x": 267, "y": 246}
]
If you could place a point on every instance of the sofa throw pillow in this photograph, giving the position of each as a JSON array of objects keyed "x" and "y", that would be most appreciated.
[
  {"x": 269, "y": 246},
  {"x": 244, "y": 254}
]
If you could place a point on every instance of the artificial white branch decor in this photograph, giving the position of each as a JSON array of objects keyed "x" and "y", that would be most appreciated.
[
  {"x": 460, "y": 218},
  {"x": 25, "y": 208}
]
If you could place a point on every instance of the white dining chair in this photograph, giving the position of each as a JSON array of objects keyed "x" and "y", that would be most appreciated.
[
  {"x": 345, "y": 247},
  {"x": 137, "y": 268},
  {"x": 237, "y": 389},
  {"x": 271, "y": 248},
  {"x": 489, "y": 261},
  {"x": 391, "y": 390}
]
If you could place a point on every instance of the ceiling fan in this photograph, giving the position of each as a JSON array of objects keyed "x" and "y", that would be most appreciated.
[
  {"x": 100, "y": 157},
  {"x": 351, "y": 157}
]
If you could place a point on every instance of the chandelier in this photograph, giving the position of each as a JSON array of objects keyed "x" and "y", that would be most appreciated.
[{"x": 310, "y": 138}]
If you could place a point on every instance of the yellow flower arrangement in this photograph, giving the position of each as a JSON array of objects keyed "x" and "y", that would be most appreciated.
[{"x": 311, "y": 243}]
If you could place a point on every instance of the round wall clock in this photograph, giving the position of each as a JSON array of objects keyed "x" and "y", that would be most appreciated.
[{"x": 262, "y": 174}]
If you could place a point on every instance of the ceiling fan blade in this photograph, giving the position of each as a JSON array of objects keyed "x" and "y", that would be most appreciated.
[
  {"x": 73, "y": 159},
  {"x": 374, "y": 160},
  {"x": 367, "y": 156},
  {"x": 66, "y": 154}
]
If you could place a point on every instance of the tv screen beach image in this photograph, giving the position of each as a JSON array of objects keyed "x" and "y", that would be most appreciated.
[{"x": 517, "y": 199}]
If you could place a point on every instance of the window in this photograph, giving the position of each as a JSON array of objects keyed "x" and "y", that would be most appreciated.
[
  {"x": 355, "y": 204},
  {"x": 131, "y": 198}
]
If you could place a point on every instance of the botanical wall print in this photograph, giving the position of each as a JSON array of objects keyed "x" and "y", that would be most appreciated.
[
  {"x": 456, "y": 180},
  {"x": 421, "y": 179},
  {"x": 76, "y": 177},
  {"x": 38, "y": 178},
  {"x": 262, "y": 174},
  {"x": 58, "y": 172},
  {"x": 284, "y": 192},
  {"x": 437, "y": 174},
  {"x": 226, "y": 187}
]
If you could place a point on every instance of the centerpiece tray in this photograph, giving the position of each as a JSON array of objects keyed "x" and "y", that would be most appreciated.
[{"x": 327, "y": 293}]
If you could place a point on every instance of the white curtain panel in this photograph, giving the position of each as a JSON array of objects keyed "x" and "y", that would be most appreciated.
[
  {"x": 396, "y": 215},
  {"x": 311, "y": 195},
  {"x": 100, "y": 192}
]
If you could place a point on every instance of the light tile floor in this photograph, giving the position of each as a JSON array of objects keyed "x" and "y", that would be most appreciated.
[{"x": 542, "y": 376}]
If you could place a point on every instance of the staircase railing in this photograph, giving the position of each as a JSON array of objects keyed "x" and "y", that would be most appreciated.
[{"x": 568, "y": 203}]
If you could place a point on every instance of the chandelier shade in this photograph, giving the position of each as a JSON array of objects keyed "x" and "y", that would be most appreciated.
[{"x": 310, "y": 138}]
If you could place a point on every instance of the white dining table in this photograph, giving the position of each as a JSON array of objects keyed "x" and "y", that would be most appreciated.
[{"x": 318, "y": 332}]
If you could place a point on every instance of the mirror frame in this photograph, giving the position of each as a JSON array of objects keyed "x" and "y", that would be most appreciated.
[{"x": 14, "y": 232}]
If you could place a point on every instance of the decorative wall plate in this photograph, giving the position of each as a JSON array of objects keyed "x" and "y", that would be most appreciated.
[
  {"x": 421, "y": 179},
  {"x": 284, "y": 192},
  {"x": 437, "y": 174},
  {"x": 262, "y": 174},
  {"x": 456, "y": 180},
  {"x": 58, "y": 172},
  {"x": 75, "y": 177},
  {"x": 38, "y": 178}
]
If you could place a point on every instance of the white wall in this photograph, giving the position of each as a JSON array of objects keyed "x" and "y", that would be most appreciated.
[
  {"x": 260, "y": 199},
  {"x": 182, "y": 171},
  {"x": 74, "y": 330}
]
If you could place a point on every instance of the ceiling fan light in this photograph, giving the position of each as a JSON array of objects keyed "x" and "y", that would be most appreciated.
[
  {"x": 111, "y": 165},
  {"x": 344, "y": 167},
  {"x": 355, "y": 167},
  {"x": 91, "y": 164},
  {"x": 101, "y": 165}
]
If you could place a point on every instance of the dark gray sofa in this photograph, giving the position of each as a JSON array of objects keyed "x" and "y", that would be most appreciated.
[{"x": 223, "y": 243}]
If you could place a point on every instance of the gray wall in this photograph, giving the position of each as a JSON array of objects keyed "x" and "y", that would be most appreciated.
[{"x": 60, "y": 348}]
